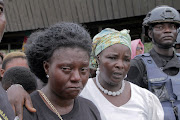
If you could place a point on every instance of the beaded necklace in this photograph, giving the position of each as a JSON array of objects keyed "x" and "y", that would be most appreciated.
[{"x": 107, "y": 91}]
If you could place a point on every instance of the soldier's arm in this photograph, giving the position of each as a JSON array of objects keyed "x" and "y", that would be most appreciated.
[{"x": 137, "y": 73}]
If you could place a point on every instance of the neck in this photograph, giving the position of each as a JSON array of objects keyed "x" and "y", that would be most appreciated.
[
  {"x": 56, "y": 100},
  {"x": 165, "y": 52},
  {"x": 109, "y": 86}
]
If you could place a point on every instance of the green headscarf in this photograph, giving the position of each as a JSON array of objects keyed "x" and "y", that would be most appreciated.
[{"x": 106, "y": 38}]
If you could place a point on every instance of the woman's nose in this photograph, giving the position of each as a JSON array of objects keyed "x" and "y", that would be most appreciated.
[
  {"x": 75, "y": 76},
  {"x": 119, "y": 64}
]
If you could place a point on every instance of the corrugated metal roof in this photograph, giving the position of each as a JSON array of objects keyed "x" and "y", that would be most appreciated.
[{"x": 33, "y": 14}]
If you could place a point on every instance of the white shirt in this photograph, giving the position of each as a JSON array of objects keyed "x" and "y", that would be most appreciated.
[{"x": 143, "y": 105}]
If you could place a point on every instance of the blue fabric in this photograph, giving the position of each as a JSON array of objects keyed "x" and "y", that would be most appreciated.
[{"x": 165, "y": 87}]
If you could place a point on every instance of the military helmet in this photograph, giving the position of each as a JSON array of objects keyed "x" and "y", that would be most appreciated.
[{"x": 161, "y": 14}]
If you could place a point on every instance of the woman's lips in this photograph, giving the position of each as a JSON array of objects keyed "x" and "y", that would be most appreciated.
[{"x": 117, "y": 75}]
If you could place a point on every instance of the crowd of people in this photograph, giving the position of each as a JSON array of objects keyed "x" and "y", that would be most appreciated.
[{"x": 64, "y": 74}]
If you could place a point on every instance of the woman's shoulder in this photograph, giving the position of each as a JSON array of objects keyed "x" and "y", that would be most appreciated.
[
  {"x": 42, "y": 111},
  {"x": 151, "y": 101},
  {"x": 88, "y": 87},
  {"x": 85, "y": 102},
  {"x": 35, "y": 95},
  {"x": 28, "y": 115},
  {"x": 88, "y": 107},
  {"x": 138, "y": 88},
  {"x": 145, "y": 96},
  {"x": 37, "y": 101},
  {"x": 142, "y": 91}
]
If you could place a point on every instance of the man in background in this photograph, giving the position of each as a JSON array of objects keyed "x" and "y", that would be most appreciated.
[{"x": 158, "y": 70}]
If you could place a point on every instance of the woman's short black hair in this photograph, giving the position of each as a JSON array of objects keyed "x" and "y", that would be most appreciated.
[{"x": 42, "y": 44}]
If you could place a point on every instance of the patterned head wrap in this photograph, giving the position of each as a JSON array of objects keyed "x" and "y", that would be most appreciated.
[{"x": 106, "y": 38}]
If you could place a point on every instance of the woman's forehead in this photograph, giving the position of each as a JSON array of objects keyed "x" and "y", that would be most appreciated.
[
  {"x": 116, "y": 48},
  {"x": 67, "y": 52}
]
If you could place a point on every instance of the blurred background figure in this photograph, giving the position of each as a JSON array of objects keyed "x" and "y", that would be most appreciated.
[
  {"x": 92, "y": 72},
  {"x": 13, "y": 59},
  {"x": 177, "y": 44},
  {"x": 137, "y": 48},
  {"x": 1, "y": 60},
  {"x": 20, "y": 75},
  {"x": 17, "y": 59}
]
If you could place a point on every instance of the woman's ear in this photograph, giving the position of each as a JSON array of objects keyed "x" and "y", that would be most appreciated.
[
  {"x": 46, "y": 67},
  {"x": 97, "y": 58},
  {"x": 2, "y": 72}
]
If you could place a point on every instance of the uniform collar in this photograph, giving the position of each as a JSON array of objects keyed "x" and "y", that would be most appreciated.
[{"x": 165, "y": 63}]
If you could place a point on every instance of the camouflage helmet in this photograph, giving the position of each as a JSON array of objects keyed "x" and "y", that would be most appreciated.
[{"x": 161, "y": 14}]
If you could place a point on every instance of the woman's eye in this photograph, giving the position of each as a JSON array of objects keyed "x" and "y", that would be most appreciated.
[
  {"x": 84, "y": 69},
  {"x": 128, "y": 60},
  {"x": 66, "y": 68},
  {"x": 113, "y": 58},
  {"x": 1, "y": 10}
]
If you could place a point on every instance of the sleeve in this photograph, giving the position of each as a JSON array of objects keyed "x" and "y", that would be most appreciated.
[
  {"x": 156, "y": 111},
  {"x": 137, "y": 73},
  {"x": 6, "y": 111},
  {"x": 95, "y": 111},
  {"x": 28, "y": 115}
]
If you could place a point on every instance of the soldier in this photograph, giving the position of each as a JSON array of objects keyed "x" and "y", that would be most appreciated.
[{"x": 158, "y": 70}]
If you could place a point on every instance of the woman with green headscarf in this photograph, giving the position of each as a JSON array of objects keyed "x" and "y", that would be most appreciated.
[{"x": 116, "y": 98}]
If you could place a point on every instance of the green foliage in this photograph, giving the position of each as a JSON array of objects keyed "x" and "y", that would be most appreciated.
[{"x": 147, "y": 47}]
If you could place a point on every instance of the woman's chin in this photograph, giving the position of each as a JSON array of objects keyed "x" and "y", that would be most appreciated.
[{"x": 73, "y": 94}]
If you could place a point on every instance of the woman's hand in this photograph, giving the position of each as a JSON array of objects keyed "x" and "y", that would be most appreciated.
[{"x": 18, "y": 97}]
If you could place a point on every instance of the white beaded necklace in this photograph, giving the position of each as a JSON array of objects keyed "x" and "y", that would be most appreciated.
[{"x": 107, "y": 91}]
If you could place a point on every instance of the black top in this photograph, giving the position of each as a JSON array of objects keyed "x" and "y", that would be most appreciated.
[
  {"x": 138, "y": 74},
  {"x": 6, "y": 111},
  {"x": 83, "y": 109}
]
